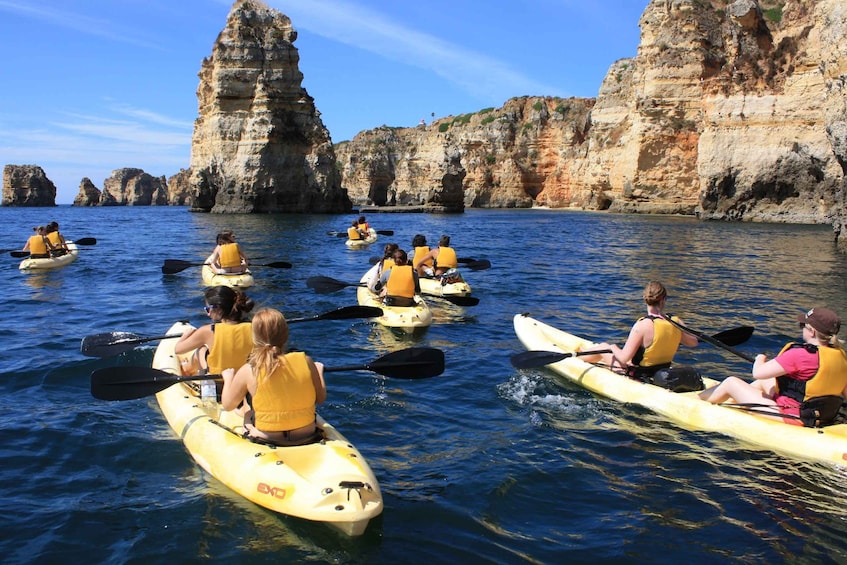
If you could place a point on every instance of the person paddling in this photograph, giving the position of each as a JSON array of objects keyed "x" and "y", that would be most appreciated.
[
  {"x": 814, "y": 371},
  {"x": 55, "y": 240},
  {"x": 443, "y": 257},
  {"x": 354, "y": 233},
  {"x": 37, "y": 244},
  {"x": 227, "y": 257},
  {"x": 420, "y": 249},
  {"x": 652, "y": 343},
  {"x": 399, "y": 284}
]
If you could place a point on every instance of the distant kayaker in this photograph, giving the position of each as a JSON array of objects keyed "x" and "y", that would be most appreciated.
[
  {"x": 364, "y": 226},
  {"x": 813, "y": 369},
  {"x": 279, "y": 390},
  {"x": 228, "y": 340},
  {"x": 354, "y": 233},
  {"x": 652, "y": 342},
  {"x": 443, "y": 257},
  {"x": 399, "y": 284},
  {"x": 419, "y": 249},
  {"x": 58, "y": 246},
  {"x": 227, "y": 257},
  {"x": 37, "y": 244}
]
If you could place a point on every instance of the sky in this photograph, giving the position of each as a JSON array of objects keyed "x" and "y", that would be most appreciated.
[{"x": 90, "y": 86}]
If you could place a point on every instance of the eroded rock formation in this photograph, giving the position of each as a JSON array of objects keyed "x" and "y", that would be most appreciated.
[
  {"x": 259, "y": 144},
  {"x": 88, "y": 195},
  {"x": 134, "y": 187},
  {"x": 730, "y": 110},
  {"x": 27, "y": 185}
]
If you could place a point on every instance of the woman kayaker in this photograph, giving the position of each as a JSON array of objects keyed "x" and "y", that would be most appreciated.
[
  {"x": 279, "y": 390},
  {"x": 364, "y": 226},
  {"x": 227, "y": 257},
  {"x": 652, "y": 342},
  {"x": 815, "y": 368},
  {"x": 354, "y": 233},
  {"x": 443, "y": 257},
  {"x": 37, "y": 244},
  {"x": 382, "y": 265},
  {"x": 419, "y": 249},
  {"x": 228, "y": 340},
  {"x": 58, "y": 246},
  {"x": 399, "y": 284}
]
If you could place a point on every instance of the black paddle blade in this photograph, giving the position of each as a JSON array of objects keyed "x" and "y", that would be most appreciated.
[
  {"x": 385, "y": 232},
  {"x": 85, "y": 241},
  {"x": 326, "y": 285},
  {"x": 276, "y": 265},
  {"x": 466, "y": 260},
  {"x": 19, "y": 253},
  {"x": 735, "y": 336},
  {"x": 411, "y": 363},
  {"x": 128, "y": 383},
  {"x": 458, "y": 300},
  {"x": 345, "y": 313},
  {"x": 533, "y": 359},
  {"x": 104, "y": 345},
  {"x": 479, "y": 265}
]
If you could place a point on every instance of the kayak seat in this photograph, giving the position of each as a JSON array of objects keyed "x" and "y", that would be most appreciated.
[{"x": 317, "y": 437}]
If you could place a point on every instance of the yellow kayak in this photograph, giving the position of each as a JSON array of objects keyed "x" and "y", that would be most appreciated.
[
  {"x": 827, "y": 444},
  {"x": 51, "y": 262},
  {"x": 406, "y": 318},
  {"x": 356, "y": 243},
  {"x": 328, "y": 481},
  {"x": 211, "y": 278}
]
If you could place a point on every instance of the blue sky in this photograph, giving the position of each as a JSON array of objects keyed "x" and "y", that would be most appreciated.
[{"x": 89, "y": 86}]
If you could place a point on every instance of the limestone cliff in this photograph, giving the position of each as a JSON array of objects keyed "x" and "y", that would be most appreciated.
[
  {"x": 730, "y": 110},
  {"x": 134, "y": 187},
  {"x": 259, "y": 144},
  {"x": 88, "y": 195},
  {"x": 27, "y": 185}
]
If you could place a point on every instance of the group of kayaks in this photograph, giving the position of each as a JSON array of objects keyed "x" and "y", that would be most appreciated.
[{"x": 828, "y": 443}]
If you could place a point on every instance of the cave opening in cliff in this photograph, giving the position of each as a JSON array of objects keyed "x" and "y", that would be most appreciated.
[{"x": 378, "y": 194}]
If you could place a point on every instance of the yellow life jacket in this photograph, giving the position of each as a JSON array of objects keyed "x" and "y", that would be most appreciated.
[
  {"x": 37, "y": 246},
  {"x": 364, "y": 228},
  {"x": 401, "y": 282},
  {"x": 387, "y": 264},
  {"x": 230, "y": 256},
  {"x": 830, "y": 379},
  {"x": 353, "y": 233},
  {"x": 285, "y": 399},
  {"x": 446, "y": 258},
  {"x": 666, "y": 340},
  {"x": 233, "y": 344},
  {"x": 421, "y": 251},
  {"x": 55, "y": 239}
]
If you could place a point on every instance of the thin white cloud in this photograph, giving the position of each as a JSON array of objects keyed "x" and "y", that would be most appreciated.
[
  {"x": 77, "y": 22},
  {"x": 364, "y": 28}
]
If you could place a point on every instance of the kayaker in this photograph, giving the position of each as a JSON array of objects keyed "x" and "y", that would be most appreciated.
[
  {"x": 381, "y": 266},
  {"x": 443, "y": 257},
  {"x": 279, "y": 390},
  {"x": 419, "y": 249},
  {"x": 652, "y": 341},
  {"x": 228, "y": 340},
  {"x": 364, "y": 226},
  {"x": 399, "y": 284},
  {"x": 37, "y": 244},
  {"x": 815, "y": 368},
  {"x": 353, "y": 232},
  {"x": 227, "y": 257},
  {"x": 58, "y": 246}
]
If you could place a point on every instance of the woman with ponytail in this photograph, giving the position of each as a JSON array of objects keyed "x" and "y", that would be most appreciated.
[
  {"x": 278, "y": 390},
  {"x": 228, "y": 340}
]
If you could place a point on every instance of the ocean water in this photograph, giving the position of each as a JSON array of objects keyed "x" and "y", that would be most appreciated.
[{"x": 482, "y": 464}]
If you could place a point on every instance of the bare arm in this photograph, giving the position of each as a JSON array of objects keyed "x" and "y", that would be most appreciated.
[
  {"x": 687, "y": 339},
  {"x": 236, "y": 385},
  {"x": 764, "y": 369},
  {"x": 317, "y": 370},
  {"x": 194, "y": 338}
]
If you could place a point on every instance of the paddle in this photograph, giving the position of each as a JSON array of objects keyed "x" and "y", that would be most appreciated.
[
  {"x": 344, "y": 234},
  {"x": 127, "y": 383},
  {"x": 115, "y": 343},
  {"x": 714, "y": 341},
  {"x": 173, "y": 266},
  {"x": 82, "y": 241},
  {"x": 327, "y": 285},
  {"x": 532, "y": 359},
  {"x": 478, "y": 265}
]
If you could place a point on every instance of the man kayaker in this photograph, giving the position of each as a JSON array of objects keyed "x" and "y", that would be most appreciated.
[
  {"x": 278, "y": 390},
  {"x": 810, "y": 374},
  {"x": 399, "y": 284},
  {"x": 443, "y": 257},
  {"x": 652, "y": 342}
]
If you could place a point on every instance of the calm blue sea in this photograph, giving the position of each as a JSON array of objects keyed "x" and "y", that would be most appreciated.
[{"x": 483, "y": 464}]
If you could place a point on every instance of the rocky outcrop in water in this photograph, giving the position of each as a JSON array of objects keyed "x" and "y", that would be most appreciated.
[
  {"x": 730, "y": 111},
  {"x": 27, "y": 185},
  {"x": 134, "y": 187},
  {"x": 259, "y": 144},
  {"x": 88, "y": 195}
]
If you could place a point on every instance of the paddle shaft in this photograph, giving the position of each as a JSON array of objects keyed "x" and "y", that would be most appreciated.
[{"x": 713, "y": 341}]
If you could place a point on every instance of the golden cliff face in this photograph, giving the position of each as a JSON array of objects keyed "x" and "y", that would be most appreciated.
[{"x": 730, "y": 110}]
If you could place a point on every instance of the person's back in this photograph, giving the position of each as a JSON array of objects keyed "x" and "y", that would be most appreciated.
[
  {"x": 353, "y": 232},
  {"x": 421, "y": 251},
  {"x": 400, "y": 284},
  {"x": 231, "y": 347},
  {"x": 37, "y": 244}
]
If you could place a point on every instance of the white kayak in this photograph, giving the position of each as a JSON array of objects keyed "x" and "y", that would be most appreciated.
[
  {"x": 406, "y": 318},
  {"x": 827, "y": 444},
  {"x": 30, "y": 264},
  {"x": 449, "y": 284},
  {"x": 328, "y": 481},
  {"x": 356, "y": 243},
  {"x": 232, "y": 280}
]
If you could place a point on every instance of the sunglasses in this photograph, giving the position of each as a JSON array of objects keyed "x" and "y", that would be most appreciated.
[{"x": 209, "y": 308}]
